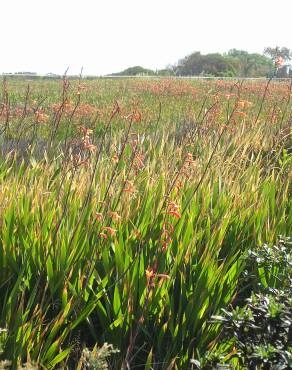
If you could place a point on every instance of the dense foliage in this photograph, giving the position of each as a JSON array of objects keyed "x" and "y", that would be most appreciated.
[
  {"x": 236, "y": 62},
  {"x": 260, "y": 332},
  {"x": 127, "y": 211}
]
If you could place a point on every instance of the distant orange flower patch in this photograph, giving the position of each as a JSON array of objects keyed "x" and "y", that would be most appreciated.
[
  {"x": 244, "y": 104},
  {"x": 229, "y": 96},
  {"x": 68, "y": 108},
  {"x": 241, "y": 114},
  {"x": 167, "y": 86}
]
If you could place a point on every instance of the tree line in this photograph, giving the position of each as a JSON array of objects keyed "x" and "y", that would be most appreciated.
[{"x": 235, "y": 63}]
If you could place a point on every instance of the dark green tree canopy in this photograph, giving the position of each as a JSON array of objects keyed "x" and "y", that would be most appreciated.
[
  {"x": 235, "y": 62},
  {"x": 250, "y": 64},
  {"x": 134, "y": 71},
  {"x": 210, "y": 64}
]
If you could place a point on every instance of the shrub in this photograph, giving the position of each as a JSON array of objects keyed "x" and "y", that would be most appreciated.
[{"x": 260, "y": 332}]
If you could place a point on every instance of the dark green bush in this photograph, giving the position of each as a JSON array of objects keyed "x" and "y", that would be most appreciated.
[{"x": 260, "y": 331}]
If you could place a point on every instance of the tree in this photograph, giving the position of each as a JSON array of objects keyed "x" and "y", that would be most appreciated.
[
  {"x": 250, "y": 65},
  {"x": 191, "y": 65},
  {"x": 165, "y": 72},
  {"x": 281, "y": 58},
  {"x": 135, "y": 71},
  {"x": 211, "y": 64},
  {"x": 217, "y": 65},
  {"x": 277, "y": 52}
]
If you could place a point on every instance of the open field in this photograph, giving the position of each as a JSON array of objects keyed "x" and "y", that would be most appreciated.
[{"x": 128, "y": 209}]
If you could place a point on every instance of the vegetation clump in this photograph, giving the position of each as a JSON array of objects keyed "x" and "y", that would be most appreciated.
[
  {"x": 260, "y": 332},
  {"x": 128, "y": 210}
]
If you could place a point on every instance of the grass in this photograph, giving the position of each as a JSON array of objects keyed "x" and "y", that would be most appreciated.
[{"x": 127, "y": 208}]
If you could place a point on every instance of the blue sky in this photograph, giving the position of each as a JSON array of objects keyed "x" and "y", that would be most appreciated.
[{"x": 108, "y": 36}]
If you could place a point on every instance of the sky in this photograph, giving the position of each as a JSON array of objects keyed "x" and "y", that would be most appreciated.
[{"x": 105, "y": 36}]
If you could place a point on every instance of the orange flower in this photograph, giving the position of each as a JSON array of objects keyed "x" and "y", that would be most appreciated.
[
  {"x": 172, "y": 209},
  {"x": 166, "y": 243},
  {"x": 179, "y": 185},
  {"x": 244, "y": 104},
  {"x": 164, "y": 246},
  {"x": 172, "y": 206},
  {"x": 139, "y": 162},
  {"x": 175, "y": 214},
  {"x": 189, "y": 159},
  {"x": 129, "y": 187},
  {"x": 114, "y": 215},
  {"x": 110, "y": 230},
  {"x": 90, "y": 147},
  {"x": 137, "y": 116},
  {"x": 98, "y": 216},
  {"x": 41, "y": 117},
  {"x": 242, "y": 114},
  {"x": 149, "y": 273}
]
